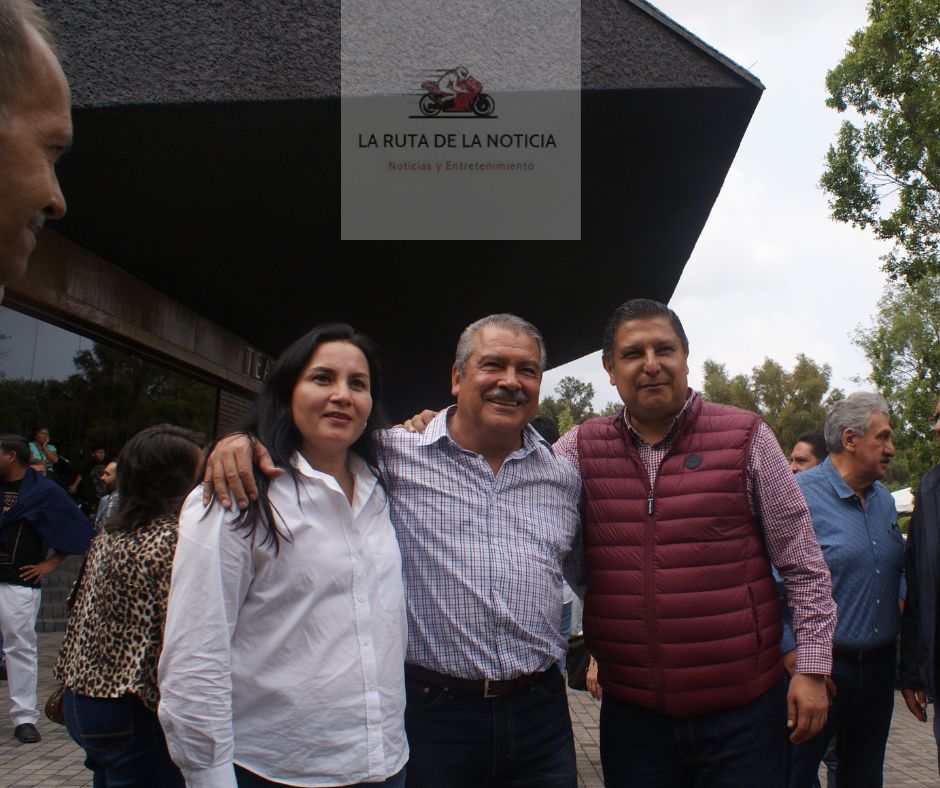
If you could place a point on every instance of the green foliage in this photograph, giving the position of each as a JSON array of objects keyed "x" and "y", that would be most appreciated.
[
  {"x": 550, "y": 408},
  {"x": 577, "y": 395},
  {"x": 884, "y": 173},
  {"x": 571, "y": 404},
  {"x": 611, "y": 409},
  {"x": 790, "y": 402},
  {"x": 718, "y": 387},
  {"x": 111, "y": 397},
  {"x": 902, "y": 344},
  {"x": 565, "y": 420}
]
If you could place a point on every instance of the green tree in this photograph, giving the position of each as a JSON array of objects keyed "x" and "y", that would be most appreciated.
[
  {"x": 550, "y": 408},
  {"x": 885, "y": 172},
  {"x": 110, "y": 397},
  {"x": 571, "y": 404},
  {"x": 790, "y": 402},
  {"x": 902, "y": 344},
  {"x": 718, "y": 387},
  {"x": 577, "y": 395},
  {"x": 565, "y": 420}
]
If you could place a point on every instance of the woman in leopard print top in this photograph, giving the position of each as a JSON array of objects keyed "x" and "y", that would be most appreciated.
[{"x": 109, "y": 657}]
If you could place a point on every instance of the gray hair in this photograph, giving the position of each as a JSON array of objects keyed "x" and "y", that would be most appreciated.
[
  {"x": 852, "y": 413},
  {"x": 19, "y": 19},
  {"x": 501, "y": 320}
]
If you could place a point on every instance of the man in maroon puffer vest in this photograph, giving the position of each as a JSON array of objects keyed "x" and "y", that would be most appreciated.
[{"x": 686, "y": 504}]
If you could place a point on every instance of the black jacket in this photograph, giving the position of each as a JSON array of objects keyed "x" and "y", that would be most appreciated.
[{"x": 919, "y": 623}]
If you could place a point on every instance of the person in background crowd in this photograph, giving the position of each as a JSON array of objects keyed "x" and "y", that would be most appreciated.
[
  {"x": 919, "y": 626},
  {"x": 87, "y": 487},
  {"x": 36, "y": 515},
  {"x": 108, "y": 661},
  {"x": 40, "y": 468},
  {"x": 35, "y": 130},
  {"x": 808, "y": 451},
  {"x": 289, "y": 618},
  {"x": 855, "y": 521},
  {"x": 110, "y": 500},
  {"x": 42, "y": 451}
]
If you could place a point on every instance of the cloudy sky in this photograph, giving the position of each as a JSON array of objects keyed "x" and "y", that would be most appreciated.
[{"x": 771, "y": 274}]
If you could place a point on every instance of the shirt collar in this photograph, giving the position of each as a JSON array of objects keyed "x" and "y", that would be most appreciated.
[
  {"x": 365, "y": 478},
  {"x": 437, "y": 430},
  {"x": 838, "y": 483},
  {"x": 689, "y": 401}
]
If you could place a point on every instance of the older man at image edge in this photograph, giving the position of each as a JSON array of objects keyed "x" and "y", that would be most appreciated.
[{"x": 35, "y": 130}]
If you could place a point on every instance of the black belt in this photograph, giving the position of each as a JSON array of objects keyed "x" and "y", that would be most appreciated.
[{"x": 485, "y": 688}]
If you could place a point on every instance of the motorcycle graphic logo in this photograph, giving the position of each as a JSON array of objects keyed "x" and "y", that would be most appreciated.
[{"x": 455, "y": 92}]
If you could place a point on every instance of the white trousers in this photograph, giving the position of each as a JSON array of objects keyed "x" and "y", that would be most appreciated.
[{"x": 19, "y": 607}]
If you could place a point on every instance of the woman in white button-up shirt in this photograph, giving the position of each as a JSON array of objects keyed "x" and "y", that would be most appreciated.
[{"x": 286, "y": 631}]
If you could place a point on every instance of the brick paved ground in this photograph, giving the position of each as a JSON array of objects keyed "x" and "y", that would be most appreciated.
[{"x": 911, "y": 759}]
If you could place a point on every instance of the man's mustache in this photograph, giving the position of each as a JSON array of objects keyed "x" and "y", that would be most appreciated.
[{"x": 503, "y": 396}]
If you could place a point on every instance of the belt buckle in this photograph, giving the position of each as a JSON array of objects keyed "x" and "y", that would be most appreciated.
[{"x": 486, "y": 689}]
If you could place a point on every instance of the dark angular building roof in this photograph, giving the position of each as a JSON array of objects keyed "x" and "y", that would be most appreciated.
[{"x": 206, "y": 165}]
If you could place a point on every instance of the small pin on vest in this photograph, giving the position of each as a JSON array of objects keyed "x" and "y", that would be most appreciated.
[{"x": 693, "y": 461}]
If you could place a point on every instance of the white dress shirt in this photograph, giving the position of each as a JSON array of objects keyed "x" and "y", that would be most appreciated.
[{"x": 290, "y": 665}]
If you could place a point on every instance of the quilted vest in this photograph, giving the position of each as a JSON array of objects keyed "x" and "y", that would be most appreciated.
[{"x": 681, "y": 610}]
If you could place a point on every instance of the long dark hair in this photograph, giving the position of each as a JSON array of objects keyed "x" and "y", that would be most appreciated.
[
  {"x": 272, "y": 421},
  {"x": 156, "y": 470}
]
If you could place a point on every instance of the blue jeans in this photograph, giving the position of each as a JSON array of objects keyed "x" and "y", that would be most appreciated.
[
  {"x": 463, "y": 740},
  {"x": 861, "y": 715},
  {"x": 247, "y": 779},
  {"x": 736, "y": 748},
  {"x": 123, "y": 742}
]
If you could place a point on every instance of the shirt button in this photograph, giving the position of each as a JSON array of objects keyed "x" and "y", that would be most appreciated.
[
  {"x": 877, "y": 571},
  {"x": 877, "y": 601},
  {"x": 873, "y": 541},
  {"x": 360, "y": 599},
  {"x": 876, "y": 629},
  {"x": 366, "y": 642}
]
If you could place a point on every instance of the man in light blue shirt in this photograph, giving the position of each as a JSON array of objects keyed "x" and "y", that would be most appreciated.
[{"x": 856, "y": 525}]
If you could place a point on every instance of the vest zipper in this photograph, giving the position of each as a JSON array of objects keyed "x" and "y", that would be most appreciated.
[{"x": 650, "y": 591}]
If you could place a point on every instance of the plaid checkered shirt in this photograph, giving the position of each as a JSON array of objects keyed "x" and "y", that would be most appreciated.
[{"x": 483, "y": 556}]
